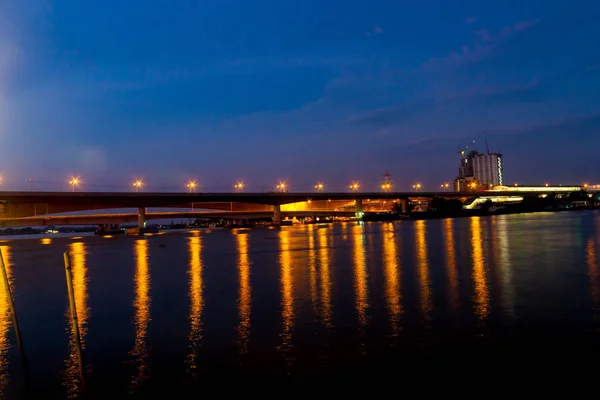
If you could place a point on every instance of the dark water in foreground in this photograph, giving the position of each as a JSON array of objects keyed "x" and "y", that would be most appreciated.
[{"x": 181, "y": 310}]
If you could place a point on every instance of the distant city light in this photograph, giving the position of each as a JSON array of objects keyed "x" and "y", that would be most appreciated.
[
  {"x": 239, "y": 186},
  {"x": 417, "y": 186},
  {"x": 354, "y": 186},
  {"x": 282, "y": 186},
  {"x": 319, "y": 186},
  {"x": 386, "y": 186}
]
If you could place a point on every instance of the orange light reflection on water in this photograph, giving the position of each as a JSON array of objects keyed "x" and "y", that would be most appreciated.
[
  {"x": 479, "y": 273},
  {"x": 78, "y": 254},
  {"x": 325, "y": 275},
  {"x": 245, "y": 294},
  {"x": 196, "y": 288},
  {"x": 392, "y": 277},
  {"x": 423, "y": 269},
  {"x": 5, "y": 322},
  {"x": 287, "y": 292},
  {"x": 360, "y": 275},
  {"x": 312, "y": 265},
  {"x": 451, "y": 262},
  {"x": 141, "y": 305}
]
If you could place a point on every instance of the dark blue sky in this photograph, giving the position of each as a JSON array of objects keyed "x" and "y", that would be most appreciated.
[{"x": 335, "y": 91}]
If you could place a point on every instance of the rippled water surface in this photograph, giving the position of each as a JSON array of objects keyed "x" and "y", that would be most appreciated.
[{"x": 175, "y": 311}]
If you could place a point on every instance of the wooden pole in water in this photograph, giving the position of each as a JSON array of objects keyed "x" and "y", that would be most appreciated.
[
  {"x": 73, "y": 308},
  {"x": 12, "y": 310}
]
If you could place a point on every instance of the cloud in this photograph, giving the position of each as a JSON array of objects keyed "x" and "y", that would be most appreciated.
[
  {"x": 525, "y": 25},
  {"x": 376, "y": 31},
  {"x": 92, "y": 159},
  {"x": 482, "y": 44}
]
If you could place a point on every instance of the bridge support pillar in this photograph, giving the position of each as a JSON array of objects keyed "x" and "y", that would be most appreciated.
[
  {"x": 359, "y": 208},
  {"x": 404, "y": 205},
  {"x": 277, "y": 215},
  {"x": 141, "y": 217}
]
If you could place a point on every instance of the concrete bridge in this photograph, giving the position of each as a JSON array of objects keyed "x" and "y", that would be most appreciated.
[
  {"x": 123, "y": 218},
  {"x": 16, "y": 207}
]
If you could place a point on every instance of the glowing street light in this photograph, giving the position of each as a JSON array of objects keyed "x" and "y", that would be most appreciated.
[
  {"x": 191, "y": 185},
  {"x": 417, "y": 186},
  {"x": 445, "y": 186},
  {"x": 585, "y": 185},
  {"x": 282, "y": 186},
  {"x": 319, "y": 186},
  {"x": 74, "y": 182},
  {"x": 547, "y": 184},
  {"x": 386, "y": 186},
  {"x": 138, "y": 184},
  {"x": 354, "y": 186},
  {"x": 239, "y": 186}
]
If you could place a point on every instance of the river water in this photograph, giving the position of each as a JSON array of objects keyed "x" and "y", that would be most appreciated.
[{"x": 300, "y": 304}]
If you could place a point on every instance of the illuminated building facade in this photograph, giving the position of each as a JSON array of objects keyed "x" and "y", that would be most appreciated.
[
  {"x": 479, "y": 171},
  {"x": 488, "y": 169}
]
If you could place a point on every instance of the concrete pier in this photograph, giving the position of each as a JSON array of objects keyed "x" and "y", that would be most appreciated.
[
  {"x": 141, "y": 217},
  {"x": 277, "y": 215}
]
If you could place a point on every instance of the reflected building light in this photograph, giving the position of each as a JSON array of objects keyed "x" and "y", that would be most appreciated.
[
  {"x": 287, "y": 295},
  {"x": 392, "y": 278},
  {"x": 505, "y": 267},
  {"x": 312, "y": 265},
  {"x": 245, "y": 295},
  {"x": 79, "y": 274},
  {"x": 141, "y": 305},
  {"x": 5, "y": 323},
  {"x": 593, "y": 274},
  {"x": 360, "y": 275},
  {"x": 479, "y": 273},
  {"x": 423, "y": 269},
  {"x": 46, "y": 241},
  {"x": 451, "y": 262},
  {"x": 325, "y": 275},
  {"x": 196, "y": 288}
]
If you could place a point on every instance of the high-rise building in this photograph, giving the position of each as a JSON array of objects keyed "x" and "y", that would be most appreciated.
[
  {"x": 479, "y": 171},
  {"x": 488, "y": 169}
]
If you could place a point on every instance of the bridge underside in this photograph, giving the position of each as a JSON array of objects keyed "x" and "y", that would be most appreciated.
[{"x": 123, "y": 218}]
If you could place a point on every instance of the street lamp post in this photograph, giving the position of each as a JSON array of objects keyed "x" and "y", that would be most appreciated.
[
  {"x": 74, "y": 182},
  {"x": 138, "y": 184},
  {"x": 282, "y": 187},
  {"x": 417, "y": 186},
  {"x": 445, "y": 186},
  {"x": 386, "y": 186},
  {"x": 354, "y": 186},
  {"x": 191, "y": 185},
  {"x": 319, "y": 186}
]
